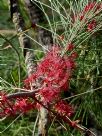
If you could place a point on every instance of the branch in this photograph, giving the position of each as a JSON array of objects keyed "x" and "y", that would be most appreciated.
[
  {"x": 23, "y": 39},
  {"x": 74, "y": 124},
  {"x": 20, "y": 95}
]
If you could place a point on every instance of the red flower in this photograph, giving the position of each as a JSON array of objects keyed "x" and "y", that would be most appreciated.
[
  {"x": 52, "y": 75},
  {"x": 3, "y": 97},
  {"x": 70, "y": 47},
  {"x": 91, "y": 25},
  {"x": 74, "y": 55},
  {"x": 92, "y": 6},
  {"x": 27, "y": 82},
  {"x": 64, "y": 108},
  {"x": 53, "y": 69},
  {"x": 49, "y": 94},
  {"x": 8, "y": 111},
  {"x": 23, "y": 105},
  {"x": 89, "y": 7}
]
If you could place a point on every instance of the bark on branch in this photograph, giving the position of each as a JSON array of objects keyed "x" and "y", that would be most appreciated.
[{"x": 23, "y": 39}]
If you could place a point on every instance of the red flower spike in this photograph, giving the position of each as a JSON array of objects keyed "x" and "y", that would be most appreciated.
[
  {"x": 52, "y": 76},
  {"x": 53, "y": 70}
]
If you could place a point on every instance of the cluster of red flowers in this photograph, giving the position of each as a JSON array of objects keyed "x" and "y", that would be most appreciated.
[
  {"x": 50, "y": 79},
  {"x": 63, "y": 108},
  {"x": 12, "y": 107},
  {"x": 91, "y": 25},
  {"x": 93, "y": 7}
]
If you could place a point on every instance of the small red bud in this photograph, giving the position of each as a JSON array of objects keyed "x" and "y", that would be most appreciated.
[
  {"x": 70, "y": 47},
  {"x": 74, "y": 55}
]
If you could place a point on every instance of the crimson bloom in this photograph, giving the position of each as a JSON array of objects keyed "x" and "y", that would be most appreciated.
[
  {"x": 89, "y": 7},
  {"x": 92, "y": 6},
  {"x": 63, "y": 108},
  {"x": 53, "y": 74},
  {"x": 70, "y": 47},
  {"x": 51, "y": 78},
  {"x": 23, "y": 105},
  {"x": 91, "y": 25},
  {"x": 49, "y": 94},
  {"x": 74, "y": 55}
]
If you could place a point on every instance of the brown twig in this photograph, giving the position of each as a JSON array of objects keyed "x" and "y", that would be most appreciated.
[{"x": 20, "y": 95}]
